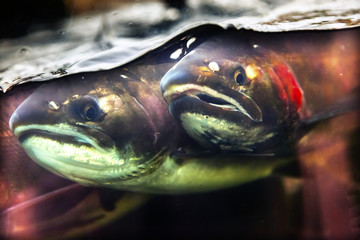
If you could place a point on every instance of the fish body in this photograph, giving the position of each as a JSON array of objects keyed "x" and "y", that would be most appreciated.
[
  {"x": 234, "y": 96},
  {"x": 113, "y": 129},
  {"x": 71, "y": 128}
]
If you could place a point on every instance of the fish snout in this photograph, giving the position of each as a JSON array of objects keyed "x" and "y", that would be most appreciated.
[
  {"x": 14, "y": 120},
  {"x": 33, "y": 111},
  {"x": 174, "y": 78},
  {"x": 21, "y": 116}
]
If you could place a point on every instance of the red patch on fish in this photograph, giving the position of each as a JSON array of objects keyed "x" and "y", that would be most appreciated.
[
  {"x": 290, "y": 84},
  {"x": 279, "y": 85}
]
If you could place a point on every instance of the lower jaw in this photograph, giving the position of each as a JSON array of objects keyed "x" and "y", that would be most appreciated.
[
  {"x": 216, "y": 133},
  {"x": 82, "y": 164}
]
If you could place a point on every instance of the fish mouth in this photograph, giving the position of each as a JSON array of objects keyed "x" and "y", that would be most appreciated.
[
  {"x": 241, "y": 103},
  {"x": 59, "y": 132},
  {"x": 69, "y": 153},
  {"x": 82, "y": 158}
]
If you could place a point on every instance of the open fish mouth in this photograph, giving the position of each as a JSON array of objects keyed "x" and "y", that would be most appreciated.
[{"x": 244, "y": 104}]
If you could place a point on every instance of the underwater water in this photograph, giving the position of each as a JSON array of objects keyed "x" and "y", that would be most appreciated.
[{"x": 311, "y": 193}]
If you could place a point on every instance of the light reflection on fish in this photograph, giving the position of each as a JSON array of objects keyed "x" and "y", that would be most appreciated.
[{"x": 235, "y": 96}]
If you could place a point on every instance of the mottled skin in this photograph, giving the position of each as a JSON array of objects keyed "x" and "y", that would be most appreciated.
[{"x": 234, "y": 96}]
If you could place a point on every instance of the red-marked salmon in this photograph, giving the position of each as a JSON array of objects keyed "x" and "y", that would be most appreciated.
[{"x": 235, "y": 96}]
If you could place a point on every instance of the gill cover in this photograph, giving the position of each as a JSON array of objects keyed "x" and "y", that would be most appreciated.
[
  {"x": 234, "y": 96},
  {"x": 96, "y": 128}
]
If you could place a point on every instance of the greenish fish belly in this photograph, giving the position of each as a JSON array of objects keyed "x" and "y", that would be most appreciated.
[{"x": 179, "y": 175}]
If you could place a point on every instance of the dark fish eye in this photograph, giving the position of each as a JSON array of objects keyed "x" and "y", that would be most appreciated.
[
  {"x": 90, "y": 113},
  {"x": 240, "y": 76},
  {"x": 89, "y": 109}
]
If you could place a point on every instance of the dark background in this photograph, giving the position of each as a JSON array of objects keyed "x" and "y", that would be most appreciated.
[{"x": 21, "y": 17}]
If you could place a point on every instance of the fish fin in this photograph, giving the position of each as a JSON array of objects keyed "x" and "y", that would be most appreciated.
[{"x": 347, "y": 104}]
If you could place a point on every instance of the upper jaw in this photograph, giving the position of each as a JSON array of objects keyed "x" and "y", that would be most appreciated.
[{"x": 244, "y": 105}]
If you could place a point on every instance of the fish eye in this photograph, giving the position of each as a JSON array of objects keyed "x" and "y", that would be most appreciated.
[
  {"x": 240, "y": 76},
  {"x": 89, "y": 113},
  {"x": 89, "y": 109}
]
